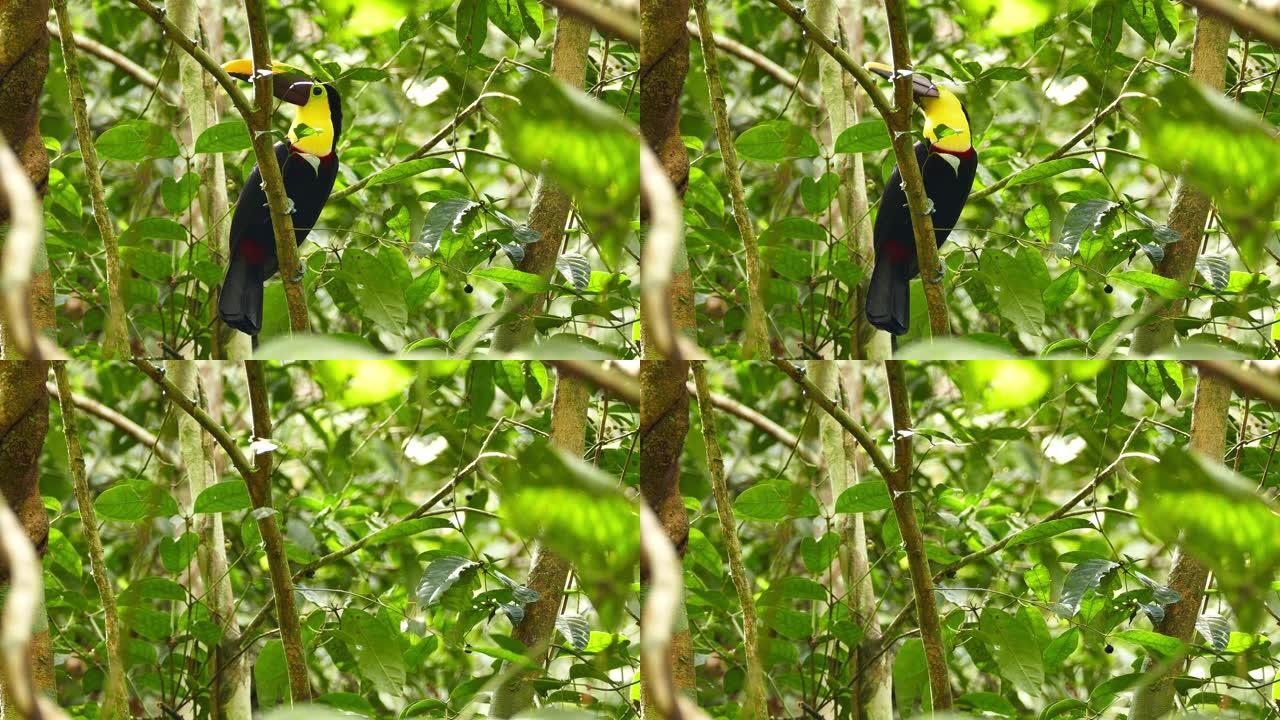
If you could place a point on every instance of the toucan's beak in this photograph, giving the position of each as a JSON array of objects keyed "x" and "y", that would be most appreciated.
[
  {"x": 287, "y": 82},
  {"x": 921, "y": 86}
]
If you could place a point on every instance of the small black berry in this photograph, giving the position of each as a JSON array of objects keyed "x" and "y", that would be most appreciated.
[
  {"x": 1107, "y": 289},
  {"x": 1109, "y": 648},
  {"x": 468, "y": 289}
]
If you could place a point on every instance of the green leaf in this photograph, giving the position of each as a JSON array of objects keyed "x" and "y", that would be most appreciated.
[
  {"x": 1015, "y": 649},
  {"x": 1061, "y": 648},
  {"x": 406, "y": 529},
  {"x": 867, "y": 136},
  {"x": 227, "y": 496},
  {"x": 135, "y": 141},
  {"x": 818, "y": 554},
  {"x": 816, "y": 194},
  {"x": 1041, "y": 531},
  {"x": 270, "y": 675},
  {"x": 133, "y": 501},
  {"x": 577, "y": 510},
  {"x": 376, "y": 647},
  {"x": 375, "y": 288},
  {"x": 1043, "y": 170},
  {"x": 1060, "y": 290},
  {"x": 516, "y": 279},
  {"x": 407, "y": 169},
  {"x": 775, "y": 500},
  {"x": 1214, "y": 142},
  {"x": 441, "y": 574},
  {"x": 1083, "y": 221},
  {"x": 226, "y": 136},
  {"x": 586, "y": 146},
  {"x": 1166, "y": 288},
  {"x": 1153, "y": 642},
  {"x": 866, "y": 496},
  {"x": 911, "y": 678},
  {"x": 1083, "y": 577},
  {"x": 472, "y": 26},
  {"x": 774, "y": 141},
  {"x": 178, "y": 194},
  {"x": 175, "y": 555},
  {"x": 1216, "y": 515},
  {"x": 1017, "y": 290},
  {"x": 148, "y": 263}
]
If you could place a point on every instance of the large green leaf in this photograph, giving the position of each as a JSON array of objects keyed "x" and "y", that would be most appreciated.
[
  {"x": 1223, "y": 149},
  {"x": 774, "y": 141},
  {"x": 1215, "y": 515},
  {"x": 586, "y": 146},
  {"x": 135, "y": 141}
]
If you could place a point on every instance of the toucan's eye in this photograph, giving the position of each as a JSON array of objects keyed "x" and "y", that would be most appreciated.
[{"x": 316, "y": 91}]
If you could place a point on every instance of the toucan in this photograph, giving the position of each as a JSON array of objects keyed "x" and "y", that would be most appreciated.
[
  {"x": 948, "y": 164},
  {"x": 309, "y": 165}
]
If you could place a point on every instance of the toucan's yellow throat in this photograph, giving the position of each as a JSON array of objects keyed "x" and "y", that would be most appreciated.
[
  {"x": 945, "y": 124},
  {"x": 291, "y": 85}
]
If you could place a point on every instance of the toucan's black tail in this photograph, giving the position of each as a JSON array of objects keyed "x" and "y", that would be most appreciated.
[
  {"x": 240, "y": 301},
  {"x": 889, "y": 297}
]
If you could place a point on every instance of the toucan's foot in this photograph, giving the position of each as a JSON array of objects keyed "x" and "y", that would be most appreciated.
[
  {"x": 937, "y": 279},
  {"x": 289, "y": 206},
  {"x": 298, "y": 277},
  {"x": 928, "y": 205}
]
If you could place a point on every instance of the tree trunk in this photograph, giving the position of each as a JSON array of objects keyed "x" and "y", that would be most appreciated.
[
  {"x": 550, "y": 571},
  {"x": 664, "y": 422},
  {"x": 551, "y": 204},
  {"x": 1189, "y": 576},
  {"x": 664, "y": 65},
  {"x": 1190, "y": 206},
  {"x": 200, "y": 95},
  {"x": 873, "y": 696},
  {"x": 24, "y": 63},
  {"x": 844, "y": 109},
  {"x": 24, "y": 420},
  {"x": 229, "y": 694}
]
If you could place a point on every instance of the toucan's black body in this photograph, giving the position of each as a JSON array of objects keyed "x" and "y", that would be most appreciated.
[
  {"x": 947, "y": 182},
  {"x": 308, "y": 181}
]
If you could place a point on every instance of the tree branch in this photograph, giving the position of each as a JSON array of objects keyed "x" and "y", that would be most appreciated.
[
  {"x": 829, "y": 406},
  {"x": 753, "y": 703},
  {"x": 935, "y": 653},
  {"x": 617, "y": 384},
  {"x": 757, "y": 340},
  {"x": 122, "y": 423},
  {"x": 22, "y": 247},
  {"x": 427, "y": 146},
  {"x": 18, "y": 618},
  {"x": 1244, "y": 19},
  {"x": 116, "y": 341},
  {"x": 115, "y": 696},
  {"x": 259, "y": 483},
  {"x": 768, "y": 67},
  {"x": 608, "y": 20},
  {"x": 171, "y": 391},
  {"x": 121, "y": 61},
  {"x": 1062, "y": 149}
]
